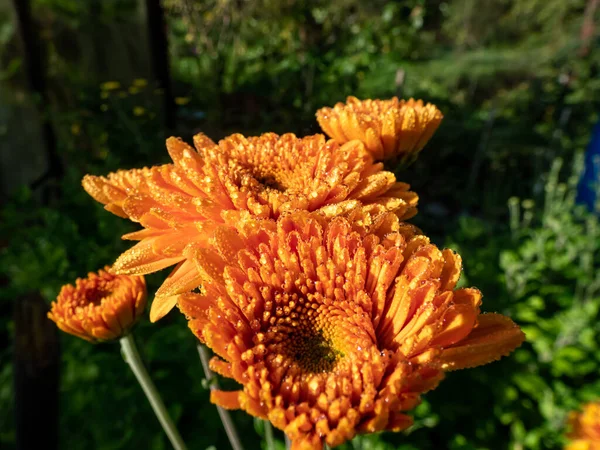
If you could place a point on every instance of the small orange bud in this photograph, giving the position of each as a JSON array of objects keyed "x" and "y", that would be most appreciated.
[
  {"x": 101, "y": 307},
  {"x": 390, "y": 129}
]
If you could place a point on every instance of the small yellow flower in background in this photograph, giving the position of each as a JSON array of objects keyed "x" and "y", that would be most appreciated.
[
  {"x": 390, "y": 129},
  {"x": 139, "y": 111},
  {"x": 104, "y": 95},
  {"x": 110, "y": 86},
  {"x": 75, "y": 129},
  {"x": 182, "y": 100},
  {"x": 103, "y": 107},
  {"x": 140, "y": 83},
  {"x": 585, "y": 428},
  {"x": 334, "y": 328},
  {"x": 133, "y": 90},
  {"x": 101, "y": 307}
]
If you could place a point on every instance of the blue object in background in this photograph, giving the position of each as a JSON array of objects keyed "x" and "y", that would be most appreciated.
[{"x": 587, "y": 189}]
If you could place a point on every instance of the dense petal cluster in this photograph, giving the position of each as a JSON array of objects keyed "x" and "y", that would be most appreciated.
[
  {"x": 336, "y": 326},
  {"x": 179, "y": 204},
  {"x": 585, "y": 428},
  {"x": 390, "y": 129},
  {"x": 101, "y": 307},
  {"x": 293, "y": 264}
]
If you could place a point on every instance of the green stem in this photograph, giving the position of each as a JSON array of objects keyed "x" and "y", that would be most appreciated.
[
  {"x": 132, "y": 357},
  {"x": 269, "y": 435},
  {"x": 234, "y": 439},
  {"x": 288, "y": 443}
]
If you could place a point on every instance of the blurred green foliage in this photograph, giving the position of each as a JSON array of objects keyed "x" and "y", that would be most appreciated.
[
  {"x": 520, "y": 94},
  {"x": 542, "y": 269}
]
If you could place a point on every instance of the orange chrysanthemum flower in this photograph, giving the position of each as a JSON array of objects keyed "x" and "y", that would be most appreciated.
[
  {"x": 179, "y": 204},
  {"x": 585, "y": 428},
  {"x": 101, "y": 307},
  {"x": 390, "y": 129},
  {"x": 335, "y": 327}
]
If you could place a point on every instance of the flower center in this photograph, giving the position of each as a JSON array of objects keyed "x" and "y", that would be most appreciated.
[
  {"x": 302, "y": 334},
  {"x": 270, "y": 182},
  {"x": 95, "y": 297},
  {"x": 313, "y": 352}
]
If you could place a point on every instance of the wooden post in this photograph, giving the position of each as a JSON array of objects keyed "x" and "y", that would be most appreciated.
[
  {"x": 36, "y": 374},
  {"x": 159, "y": 54},
  {"x": 36, "y": 75},
  {"x": 587, "y": 27}
]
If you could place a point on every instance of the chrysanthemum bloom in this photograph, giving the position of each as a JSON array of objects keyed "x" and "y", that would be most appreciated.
[
  {"x": 101, "y": 307},
  {"x": 585, "y": 428},
  {"x": 390, "y": 129},
  {"x": 179, "y": 204},
  {"x": 334, "y": 329}
]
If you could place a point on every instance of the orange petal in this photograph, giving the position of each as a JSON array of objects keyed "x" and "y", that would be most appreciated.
[
  {"x": 228, "y": 242},
  {"x": 140, "y": 259},
  {"x": 141, "y": 234},
  {"x": 221, "y": 367},
  {"x": 94, "y": 185},
  {"x": 493, "y": 337},
  {"x": 467, "y": 296},
  {"x": 373, "y": 143},
  {"x": 193, "y": 305},
  {"x": 184, "y": 277},
  {"x": 137, "y": 205},
  {"x": 116, "y": 210},
  {"x": 180, "y": 151},
  {"x": 388, "y": 131},
  {"x": 209, "y": 264},
  {"x": 451, "y": 270},
  {"x": 458, "y": 322},
  {"x": 104, "y": 333},
  {"x": 161, "y": 306},
  {"x": 226, "y": 399},
  {"x": 307, "y": 442},
  {"x": 399, "y": 422},
  {"x": 374, "y": 185},
  {"x": 202, "y": 141}
]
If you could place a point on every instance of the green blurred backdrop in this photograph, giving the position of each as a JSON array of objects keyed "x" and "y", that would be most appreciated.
[{"x": 89, "y": 87}]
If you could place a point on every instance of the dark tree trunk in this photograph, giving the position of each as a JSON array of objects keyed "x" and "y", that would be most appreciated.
[
  {"x": 159, "y": 53},
  {"x": 36, "y": 375},
  {"x": 36, "y": 74}
]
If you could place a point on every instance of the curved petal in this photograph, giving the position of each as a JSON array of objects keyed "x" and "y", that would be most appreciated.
[{"x": 493, "y": 337}]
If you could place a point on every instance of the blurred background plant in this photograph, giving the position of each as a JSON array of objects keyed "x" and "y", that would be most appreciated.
[{"x": 517, "y": 81}]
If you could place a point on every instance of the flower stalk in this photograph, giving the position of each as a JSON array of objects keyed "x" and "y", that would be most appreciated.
[
  {"x": 132, "y": 357},
  {"x": 269, "y": 435},
  {"x": 228, "y": 424}
]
